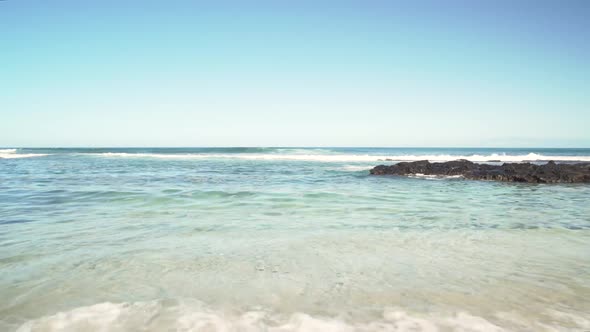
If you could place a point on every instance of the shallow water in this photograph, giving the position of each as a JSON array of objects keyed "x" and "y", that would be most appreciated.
[{"x": 286, "y": 240}]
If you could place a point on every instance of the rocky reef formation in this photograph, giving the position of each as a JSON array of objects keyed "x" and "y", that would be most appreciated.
[{"x": 509, "y": 172}]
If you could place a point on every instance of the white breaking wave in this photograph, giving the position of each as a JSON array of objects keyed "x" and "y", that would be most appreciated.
[
  {"x": 7, "y": 150},
  {"x": 354, "y": 168},
  {"x": 355, "y": 158},
  {"x": 153, "y": 316},
  {"x": 12, "y": 154}
]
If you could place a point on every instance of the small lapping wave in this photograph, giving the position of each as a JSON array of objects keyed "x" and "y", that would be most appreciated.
[
  {"x": 153, "y": 316},
  {"x": 194, "y": 316},
  {"x": 531, "y": 157},
  {"x": 13, "y": 154}
]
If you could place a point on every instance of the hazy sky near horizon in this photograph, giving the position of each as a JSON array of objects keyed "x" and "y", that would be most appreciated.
[{"x": 295, "y": 73}]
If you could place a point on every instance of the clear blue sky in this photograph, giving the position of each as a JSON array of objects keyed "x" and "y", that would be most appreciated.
[{"x": 295, "y": 73}]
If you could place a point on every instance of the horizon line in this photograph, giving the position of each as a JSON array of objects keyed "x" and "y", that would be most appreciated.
[{"x": 287, "y": 146}]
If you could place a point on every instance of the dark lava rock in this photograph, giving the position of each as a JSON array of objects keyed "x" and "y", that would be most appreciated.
[{"x": 509, "y": 172}]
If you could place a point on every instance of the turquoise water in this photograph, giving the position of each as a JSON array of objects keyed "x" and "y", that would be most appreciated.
[{"x": 249, "y": 239}]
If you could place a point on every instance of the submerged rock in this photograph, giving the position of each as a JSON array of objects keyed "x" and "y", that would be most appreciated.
[{"x": 509, "y": 172}]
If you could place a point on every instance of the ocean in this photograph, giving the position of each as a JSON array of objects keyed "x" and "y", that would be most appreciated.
[{"x": 287, "y": 239}]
